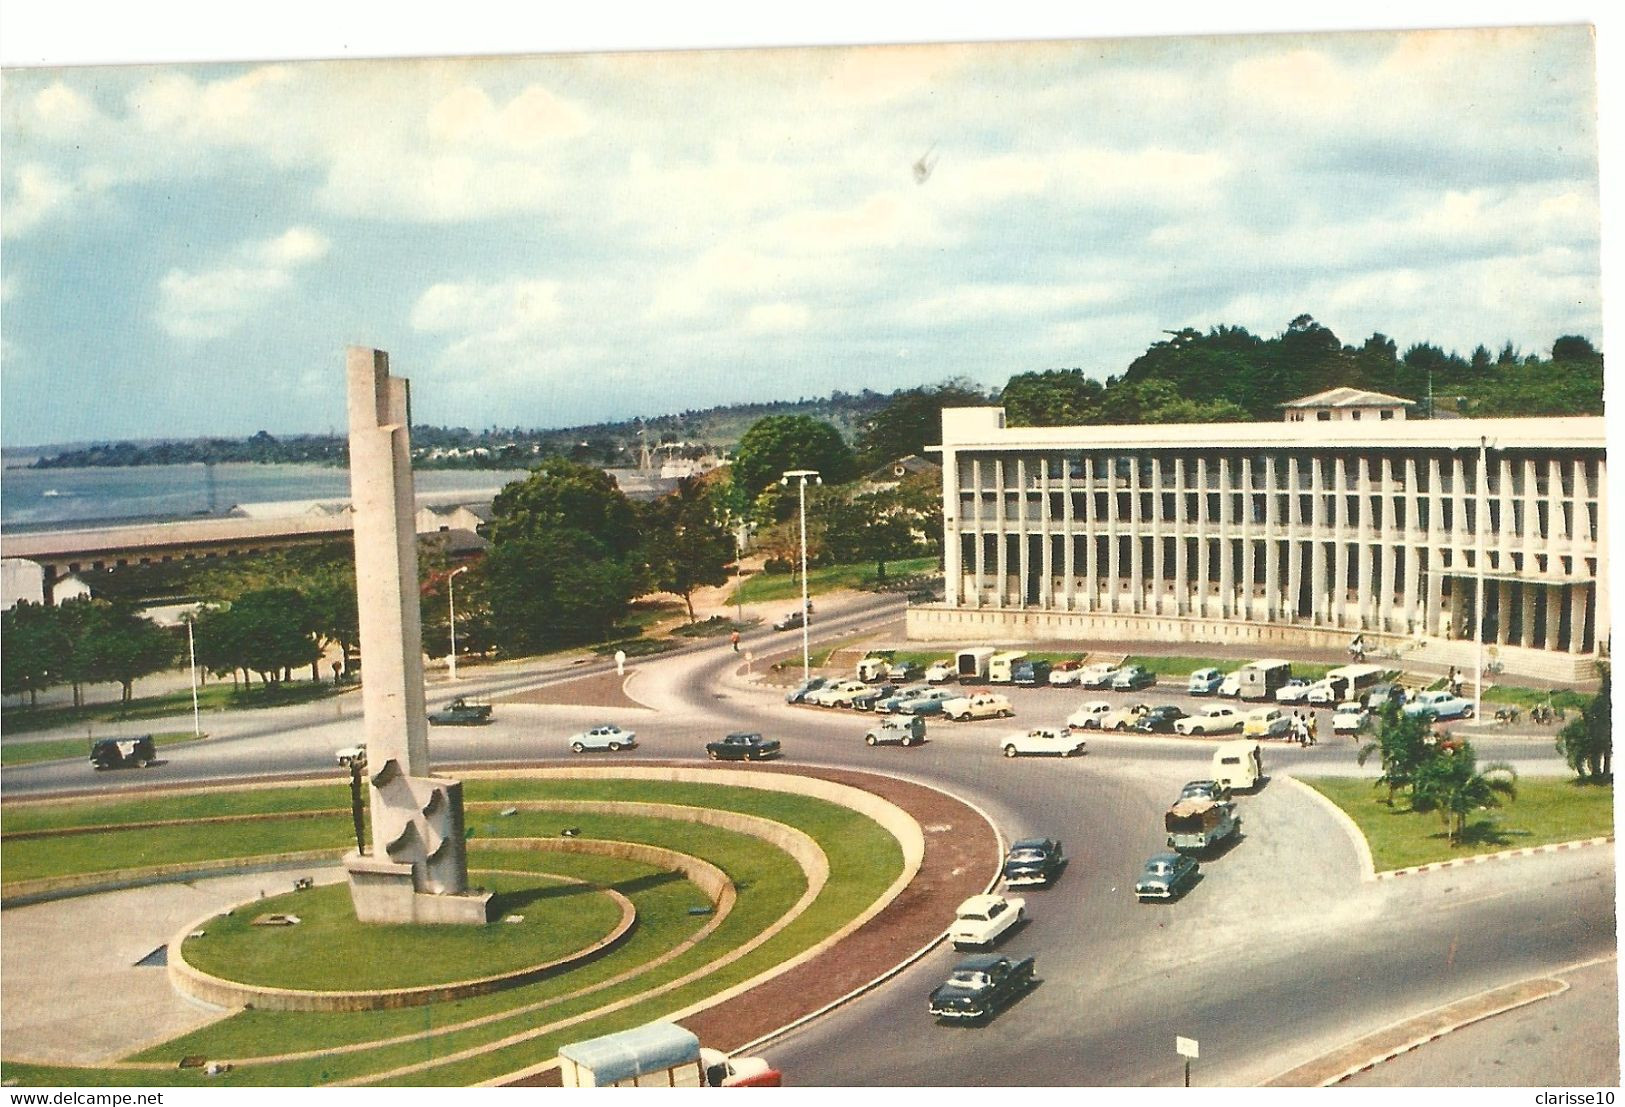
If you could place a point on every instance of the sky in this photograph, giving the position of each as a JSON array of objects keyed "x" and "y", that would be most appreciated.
[{"x": 545, "y": 240}]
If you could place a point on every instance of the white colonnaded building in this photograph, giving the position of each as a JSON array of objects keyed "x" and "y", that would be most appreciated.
[{"x": 1300, "y": 533}]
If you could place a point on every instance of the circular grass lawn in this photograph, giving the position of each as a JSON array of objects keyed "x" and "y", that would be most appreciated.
[{"x": 328, "y": 950}]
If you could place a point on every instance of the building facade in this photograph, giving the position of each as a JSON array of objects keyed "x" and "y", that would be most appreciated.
[{"x": 1289, "y": 533}]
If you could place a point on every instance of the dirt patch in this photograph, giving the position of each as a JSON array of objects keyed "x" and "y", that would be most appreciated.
[
  {"x": 598, "y": 690},
  {"x": 961, "y": 856}
]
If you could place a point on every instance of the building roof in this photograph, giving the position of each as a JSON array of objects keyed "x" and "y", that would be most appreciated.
[
  {"x": 1349, "y": 397},
  {"x": 909, "y": 466}
]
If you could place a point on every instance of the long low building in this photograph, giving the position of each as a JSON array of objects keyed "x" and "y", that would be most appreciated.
[{"x": 1281, "y": 534}]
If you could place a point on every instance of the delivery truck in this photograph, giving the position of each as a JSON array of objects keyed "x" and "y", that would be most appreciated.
[
  {"x": 971, "y": 665},
  {"x": 658, "y": 1055},
  {"x": 1260, "y": 679},
  {"x": 1194, "y": 825}
]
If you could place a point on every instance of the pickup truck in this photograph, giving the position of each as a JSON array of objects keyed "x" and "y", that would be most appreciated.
[
  {"x": 981, "y": 986},
  {"x": 983, "y": 920},
  {"x": 659, "y": 1055},
  {"x": 461, "y": 711},
  {"x": 1194, "y": 825}
]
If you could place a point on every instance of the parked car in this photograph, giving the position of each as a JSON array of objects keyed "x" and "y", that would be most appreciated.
[
  {"x": 836, "y": 694},
  {"x": 1034, "y": 861},
  {"x": 899, "y": 730},
  {"x": 1215, "y": 718},
  {"x": 1326, "y": 692},
  {"x": 872, "y": 668},
  {"x": 743, "y": 747},
  {"x": 1030, "y": 674},
  {"x": 799, "y": 692},
  {"x": 1266, "y": 722},
  {"x": 1165, "y": 876},
  {"x": 903, "y": 670},
  {"x": 1295, "y": 690},
  {"x": 1089, "y": 715},
  {"x": 1230, "y": 686},
  {"x": 940, "y": 672},
  {"x": 606, "y": 737},
  {"x": 982, "y": 920},
  {"x": 984, "y": 705},
  {"x": 1204, "y": 682},
  {"x": 866, "y": 699},
  {"x": 1098, "y": 675},
  {"x": 892, "y": 702},
  {"x": 121, "y": 753},
  {"x": 981, "y": 986},
  {"x": 792, "y": 621},
  {"x": 461, "y": 711},
  {"x": 1349, "y": 718},
  {"x": 932, "y": 701},
  {"x": 1065, "y": 674},
  {"x": 1043, "y": 741},
  {"x": 1161, "y": 719},
  {"x": 1122, "y": 718},
  {"x": 1442, "y": 704},
  {"x": 1204, "y": 789},
  {"x": 1380, "y": 694},
  {"x": 1132, "y": 678}
]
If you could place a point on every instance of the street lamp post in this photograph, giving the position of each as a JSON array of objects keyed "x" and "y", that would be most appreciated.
[
  {"x": 451, "y": 615},
  {"x": 191, "y": 658},
  {"x": 1480, "y": 519},
  {"x": 801, "y": 476}
]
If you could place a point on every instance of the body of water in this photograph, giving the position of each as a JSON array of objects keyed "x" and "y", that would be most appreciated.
[{"x": 36, "y": 498}]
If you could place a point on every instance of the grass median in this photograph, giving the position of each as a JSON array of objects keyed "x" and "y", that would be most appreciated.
[
  {"x": 765, "y": 587},
  {"x": 1547, "y": 810}
]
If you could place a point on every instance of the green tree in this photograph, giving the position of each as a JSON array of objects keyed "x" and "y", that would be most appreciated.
[
  {"x": 869, "y": 527},
  {"x": 911, "y": 422},
  {"x": 686, "y": 545},
  {"x": 36, "y": 647},
  {"x": 782, "y": 442},
  {"x": 124, "y": 647},
  {"x": 1587, "y": 742},
  {"x": 273, "y": 630},
  {"x": 1401, "y": 743},
  {"x": 473, "y": 598},
  {"x": 1451, "y": 783},
  {"x": 1053, "y": 398},
  {"x": 564, "y": 495}
]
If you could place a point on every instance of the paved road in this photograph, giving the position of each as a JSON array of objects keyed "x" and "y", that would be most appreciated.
[{"x": 1277, "y": 955}]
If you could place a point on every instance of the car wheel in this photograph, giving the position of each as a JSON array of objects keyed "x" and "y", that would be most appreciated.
[
  {"x": 869, "y": 739},
  {"x": 1198, "y": 731},
  {"x": 578, "y": 747},
  {"x": 143, "y": 763},
  {"x": 1009, "y": 751},
  {"x": 1008, "y": 713},
  {"x": 712, "y": 754},
  {"x": 1121, "y": 726},
  {"x": 1467, "y": 712},
  {"x": 1066, "y": 753},
  {"x": 614, "y": 747},
  {"x": 843, "y": 703}
]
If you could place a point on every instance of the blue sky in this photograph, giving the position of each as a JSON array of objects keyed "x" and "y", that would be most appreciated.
[{"x": 550, "y": 240}]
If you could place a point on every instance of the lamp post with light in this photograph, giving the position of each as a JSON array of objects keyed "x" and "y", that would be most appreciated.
[
  {"x": 451, "y": 615},
  {"x": 801, "y": 476}
]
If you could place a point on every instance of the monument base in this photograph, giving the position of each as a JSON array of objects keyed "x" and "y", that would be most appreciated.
[{"x": 383, "y": 892}]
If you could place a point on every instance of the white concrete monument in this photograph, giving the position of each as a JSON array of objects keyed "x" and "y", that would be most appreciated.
[{"x": 417, "y": 870}]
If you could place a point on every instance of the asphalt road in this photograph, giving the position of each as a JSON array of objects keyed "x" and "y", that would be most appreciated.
[{"x": 1278, "y": 954}]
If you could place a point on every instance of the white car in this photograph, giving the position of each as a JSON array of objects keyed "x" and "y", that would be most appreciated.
[
  {"x": 1324, "y": 692},
  {"x": 1089, "y": 715},
  {"x": 983, "y": 920},
  {"x": 1065, "y": 675},
  {"x": 607, "y": 737},
  {"x": 985, "y": 705},
  {"x": 838, "y": 694},
  {"x": 1041, "y": 741},
  {"x": 939, "y": 672},
  {"x": 1266, "y": 722},
  {"x": 1349, "y": 718},
  {"x": 1216, "y": 718},
  {"x": 1295, "y": 690},
  {"x": 1230, "y": 686},
  {"x": 1097, "y": 676}
]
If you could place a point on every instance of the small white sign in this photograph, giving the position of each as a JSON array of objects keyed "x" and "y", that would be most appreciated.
[
  {"x": 1186, "y": 1047},
  {"x": 620, "y": 662}
]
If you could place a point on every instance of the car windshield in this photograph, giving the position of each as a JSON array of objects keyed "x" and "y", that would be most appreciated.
[
  {"x": 975, "y": 978},
  {"x": 1026, "y": 855},
  {"x": 1157, "y": 868}
]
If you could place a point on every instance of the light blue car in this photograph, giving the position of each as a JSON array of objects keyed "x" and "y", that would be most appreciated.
[
  {"x": 1205, "y": 682},
  {"x": 1441, "y": 704}
]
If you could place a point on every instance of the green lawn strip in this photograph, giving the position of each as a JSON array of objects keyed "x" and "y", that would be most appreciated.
[
  {"x": 765, "y": 587},
  {"x": 110, "y": 850},
  {"x": 25, "y": 753},
  {"x": 1548, "y": 809},
  {"x": 329, "y": 950},
  {"x": 215, "y": 697},
  {"x": 1571, "y": 702},
  {"x": 172, "y": 805}
]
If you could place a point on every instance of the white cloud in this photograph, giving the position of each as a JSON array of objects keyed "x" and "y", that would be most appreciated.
[
  {"x": 504, "y": 310},
  {"x": 1005, "y": 301},
  {"x": 212, "y": 303},
  {"x": 777, "y": 318},
  {"x": 34, "y": 193}
]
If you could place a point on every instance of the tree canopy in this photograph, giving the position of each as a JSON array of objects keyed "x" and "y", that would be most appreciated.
[
  {"x": 911, "y": 422},
  {"x": 782, "y": 442}
]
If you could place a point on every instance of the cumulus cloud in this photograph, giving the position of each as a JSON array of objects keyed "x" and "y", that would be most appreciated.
[
  {"x": 212, "y": 303},
  {"x": 775, "y": 318}
]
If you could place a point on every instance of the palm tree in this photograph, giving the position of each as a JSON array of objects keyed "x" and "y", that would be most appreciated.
[
  {"x": 1452, "y": 784},
  {"x": 1402, "y": 745}
]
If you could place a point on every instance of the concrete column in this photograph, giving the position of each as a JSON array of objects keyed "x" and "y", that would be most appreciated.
[
  {"x": 1435, "y": 599},
  {"x": 952, "y": 510},
  {"x": 1136, "y": 528},
  {"x": 1579, "y": 529},
  {"x": 1461, "y": 538},
  {"x": 1436, "y": 532},
  {"x": 1579, "y": 596},
  {"x": 1001, "y": 550},
  {"x": 1503, "y": 610},
  {"x": 1342, "y": 530},
  {"x": 1091, "y": 523},
  {"x": 1182, "y": 575},
  {"x": 1068, "y": 535},
  {"x": 979, "y": 551},
  {"x": 1249, "y": 568},
  {"x": 1159, "y": 587},
  {"x": 1506, "y": 539},
  {"x": 1294, "y": 547},
  {"x": 1227, "y": 539},
  {"x": 1411, "y": 606},
  {"x": 1046, "y": 551},
  {"x": 1114, "y": 570},
  {"x": 1526, "y": 634},
  {"x": 1603, "y": 596},
  {"x": 1319, "y": 530}
]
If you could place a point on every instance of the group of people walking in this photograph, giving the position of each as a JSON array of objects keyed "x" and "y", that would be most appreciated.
[{"x": 1305, "y": 728}]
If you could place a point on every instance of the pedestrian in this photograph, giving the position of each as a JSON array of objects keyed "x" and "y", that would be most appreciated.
[
  {"x": 1314, "y": 729},
  {"x": 734, "y": 638}
]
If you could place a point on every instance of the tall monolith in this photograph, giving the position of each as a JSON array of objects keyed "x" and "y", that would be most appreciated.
[{"x": 417, "y": 870}]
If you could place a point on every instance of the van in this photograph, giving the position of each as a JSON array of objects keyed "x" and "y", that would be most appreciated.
[
  {"x": 1238, "y": 765},
  {"x": 1357, "y": 680},
  {"x": 1260, "y": 679},
  {"x": 873, "y": 668},
  {"x": 971, "y": 665},
  {"x": 1001, "y": 667}
]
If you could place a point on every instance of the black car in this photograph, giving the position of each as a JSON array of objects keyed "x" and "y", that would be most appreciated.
[
  {"x": 865, "y": 701},
  {"x": 799, "y": 692},
  {"x": 743, "y": 747},
  {"x": 1030, "y": 674},
  {"x": 1159, "y": 720},
  {"x": 980, "y": 986},
  {"x": 1165, "y": 876},
  {"x": 119, "y": 753},
  {"x": 1034, "y": 861},
  {"x": 791, "y": 621}
]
